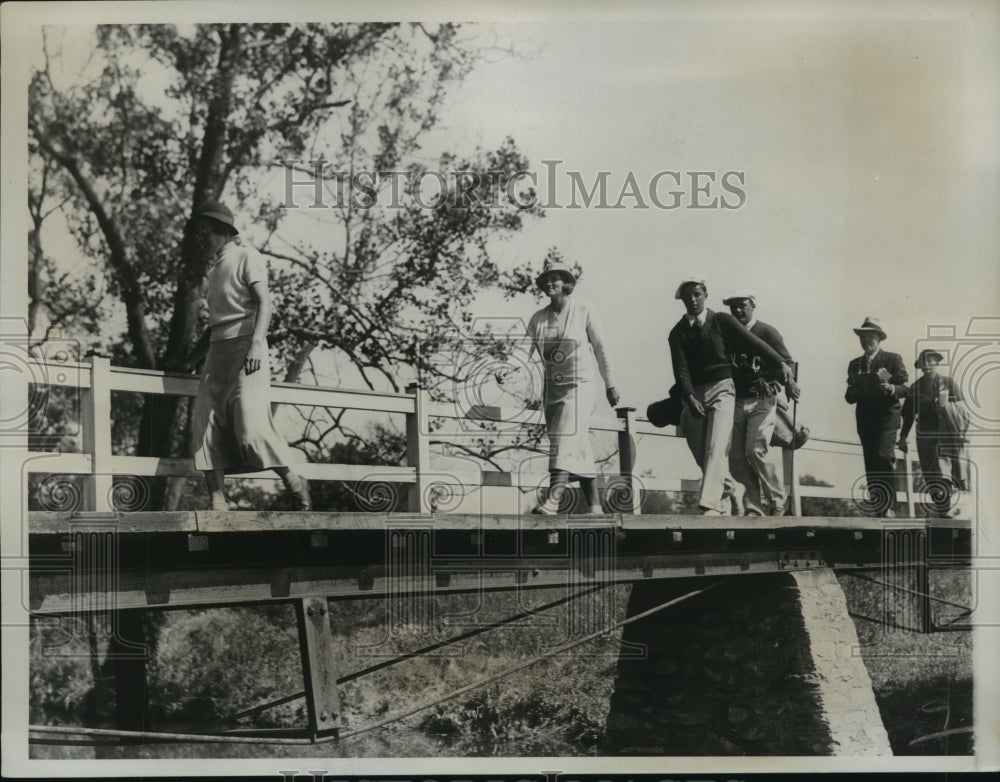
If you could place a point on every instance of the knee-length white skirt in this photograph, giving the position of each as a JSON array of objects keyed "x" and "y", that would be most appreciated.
[
  {"x": 232, "y": 428},
  {"x": 567, "y": 421}
]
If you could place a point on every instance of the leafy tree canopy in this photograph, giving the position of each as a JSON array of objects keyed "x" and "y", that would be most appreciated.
[{"x": 162, "y": 118}]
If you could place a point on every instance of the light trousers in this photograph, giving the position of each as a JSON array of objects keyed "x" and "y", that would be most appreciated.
[
  {"x": 752, "y": 460},
  {"x": 942, "y": 462},
  {"x": 709, "y": 437}
]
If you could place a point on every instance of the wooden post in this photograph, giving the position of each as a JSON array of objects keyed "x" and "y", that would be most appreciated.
[
  {"x": 626, "y": 460},
  {"x": 96, "y": 424},
  {"x": 319, "y": 665},
  {"x": 924, "y": 580},
  {"x": 127, "y": 652},
  {"x": 418, "y": 452},
  {"x": 790, "y": 471},
  {"x": 15, "y": 423},
  {"x": 911, "y": 508},
  {"x": 793, "y": 464}
]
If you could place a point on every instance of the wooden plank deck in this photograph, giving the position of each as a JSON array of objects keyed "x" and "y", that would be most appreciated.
[
  {"x": 205, "y": 522},
  {"x": 205, "y": 558}
]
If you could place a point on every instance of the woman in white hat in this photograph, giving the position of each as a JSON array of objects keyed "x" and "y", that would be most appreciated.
[
  {"x": 232, "y": 428},
  {"x": 939, "y": 447},
  {"x": 563, "y": 334}
]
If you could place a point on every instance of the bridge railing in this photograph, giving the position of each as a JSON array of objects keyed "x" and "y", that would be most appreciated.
[{"x": 96, "y": 379}]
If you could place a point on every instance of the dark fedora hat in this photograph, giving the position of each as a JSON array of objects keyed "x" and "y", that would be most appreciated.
[{"x": 871, "y": 326}]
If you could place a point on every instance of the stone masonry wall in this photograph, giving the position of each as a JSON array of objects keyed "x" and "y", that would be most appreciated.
[
  {"x": 732, "y": 672},
  {"x": 845, "y": 687}
]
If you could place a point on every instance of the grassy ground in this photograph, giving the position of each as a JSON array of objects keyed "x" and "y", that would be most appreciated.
[
  {"x": 922, "y": 681},
  {"x": 209, "y": 664}
]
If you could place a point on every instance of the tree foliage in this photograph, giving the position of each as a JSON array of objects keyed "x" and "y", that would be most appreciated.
[{"x": 161, "y": 118}]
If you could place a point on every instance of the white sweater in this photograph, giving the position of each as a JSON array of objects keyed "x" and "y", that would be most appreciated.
[{"x": 564, "y": 351}]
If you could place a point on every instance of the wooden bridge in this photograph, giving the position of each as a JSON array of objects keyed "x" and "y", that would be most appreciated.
[
  {"x": 431, "y": 487},
  {"x": 462, "y": 530}
]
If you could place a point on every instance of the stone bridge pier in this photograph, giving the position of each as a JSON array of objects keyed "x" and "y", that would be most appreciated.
[{"x": 760, "y": 665}]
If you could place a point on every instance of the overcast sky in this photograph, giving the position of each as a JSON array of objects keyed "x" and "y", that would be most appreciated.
[
  {"x": 863, "y": 136},
  {"x": 871, "y": 177},
  {"x": 867, "y": 134}
]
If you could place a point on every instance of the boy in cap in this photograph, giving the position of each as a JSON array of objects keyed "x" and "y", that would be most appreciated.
[
  {"x": 751, "y": 459},
  {"x": 876, "y": 382},
  {"x": 940, "y": 437},
  {"x": 700, "y": 345}
]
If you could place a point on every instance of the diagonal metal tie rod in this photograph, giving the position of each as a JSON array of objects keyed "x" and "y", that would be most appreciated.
[
  {"x": 520, "y": 666},
  {"x": 415, "y": 653},
  {"x": 246, "y": 739}
]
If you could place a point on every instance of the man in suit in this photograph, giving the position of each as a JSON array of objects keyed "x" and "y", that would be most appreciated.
[
  {"x": 876, "y": 382},
  {"x": 752, "y": 461},
  {"x": 700, "y": 345}
]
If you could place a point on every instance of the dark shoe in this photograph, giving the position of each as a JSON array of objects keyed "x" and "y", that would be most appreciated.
[
  {"x": 736, "y": 499},
  {"x": 298, "y": 493}
]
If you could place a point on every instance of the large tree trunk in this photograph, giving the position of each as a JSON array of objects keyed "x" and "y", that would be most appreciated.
[{"x": 160, "y": 419}]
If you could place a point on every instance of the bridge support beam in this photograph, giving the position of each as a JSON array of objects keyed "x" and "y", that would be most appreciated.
[
  {"x": 127, "y": 652},
  {"x": 764, "y": 664},
  {"x": 320, "y": 667},
  {"x": 845, "y": 688}
]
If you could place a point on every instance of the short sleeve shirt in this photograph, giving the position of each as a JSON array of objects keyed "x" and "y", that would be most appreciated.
[{"x": 230, "y": 297}]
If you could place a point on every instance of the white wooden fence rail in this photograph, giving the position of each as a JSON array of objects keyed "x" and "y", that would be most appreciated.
[{"x": 96, "y": 379}]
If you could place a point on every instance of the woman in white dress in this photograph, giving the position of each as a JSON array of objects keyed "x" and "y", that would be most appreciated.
[
  {"x": 563, "y": 334},
  {"x": 232, "y": 428}
]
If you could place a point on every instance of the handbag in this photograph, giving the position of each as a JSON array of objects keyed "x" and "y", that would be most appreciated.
[
  {"x": 786, "y": 434},
  {"x": 953, "y": 416},
  {"x": 667, "y": 411}
]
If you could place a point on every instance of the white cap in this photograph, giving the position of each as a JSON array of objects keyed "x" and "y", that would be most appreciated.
[
  {"x": 687, "y": 281},
  {"x": 741, "y": 293}
]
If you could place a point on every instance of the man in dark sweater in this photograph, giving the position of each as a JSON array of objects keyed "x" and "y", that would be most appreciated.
[
  {"x": 752, "y": 461},
  {"x": 876, "y": 382},
  {"x": 700, "y": 346}
]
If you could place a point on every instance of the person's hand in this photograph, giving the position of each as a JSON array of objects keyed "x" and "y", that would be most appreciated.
[
  {"x": 613, "y": 396},
  {"x": 786, "y": 373},
  {"x": 793, "y": 390},
  {"x": 193, "y": 362},
  {"x": 901, "y": 445},
  {"x": 255, "y": 356},
  {"x": 696, "y": 407},
  {"x": 884, "y": 377}
]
